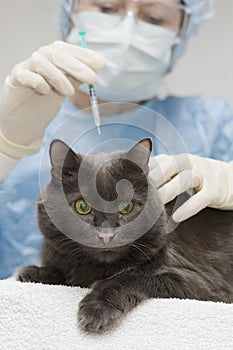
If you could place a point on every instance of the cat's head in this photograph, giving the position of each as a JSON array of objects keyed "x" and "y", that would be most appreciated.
[{"x": 103, "y": 202}]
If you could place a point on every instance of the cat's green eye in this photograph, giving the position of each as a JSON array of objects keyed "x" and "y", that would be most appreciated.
[
  {"x": 82, "y": 207},
  {"x": 125, "y": 207}
]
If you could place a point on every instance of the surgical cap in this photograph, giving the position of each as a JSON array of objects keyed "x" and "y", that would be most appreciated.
[{"x": 201, "y": 11}]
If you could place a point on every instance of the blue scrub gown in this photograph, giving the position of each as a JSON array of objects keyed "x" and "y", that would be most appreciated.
[{"x": 176, "y": 125}]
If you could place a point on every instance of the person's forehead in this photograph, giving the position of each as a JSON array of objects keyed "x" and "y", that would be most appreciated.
[
  {"x": 139, "y": 1},
  {"x": 162, "y": 1}
]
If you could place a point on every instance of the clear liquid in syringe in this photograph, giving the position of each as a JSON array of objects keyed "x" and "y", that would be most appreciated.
[{"x": 95, "y": 107}]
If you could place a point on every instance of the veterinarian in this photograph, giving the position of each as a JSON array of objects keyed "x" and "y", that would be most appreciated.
[{"x": 50, "y": 85}]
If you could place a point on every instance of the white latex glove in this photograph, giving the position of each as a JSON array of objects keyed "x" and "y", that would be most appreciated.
[
  {"x": 34, "y": 91},
  {"x": 211, "y": 179}
]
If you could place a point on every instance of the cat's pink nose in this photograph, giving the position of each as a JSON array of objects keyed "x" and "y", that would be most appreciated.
[{"x": 106, "y": 237}]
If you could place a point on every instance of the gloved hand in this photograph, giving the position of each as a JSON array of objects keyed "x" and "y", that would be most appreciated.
[
  {"x": 35, "y": 89},
  {"x": 212, "y": 181}
]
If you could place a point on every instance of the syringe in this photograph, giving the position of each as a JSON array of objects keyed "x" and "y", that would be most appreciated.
[{"x": 93, "y": 98}]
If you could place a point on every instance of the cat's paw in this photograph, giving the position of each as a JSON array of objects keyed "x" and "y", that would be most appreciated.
[
  {"x": 97, "y": 316},
  {"x": 45, "y": 275}
]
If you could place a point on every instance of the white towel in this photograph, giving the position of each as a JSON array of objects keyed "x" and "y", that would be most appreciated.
[{"x": 35, "y": 316}]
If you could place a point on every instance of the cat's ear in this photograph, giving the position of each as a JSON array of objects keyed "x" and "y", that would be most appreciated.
[
  {"x": 62, "y": 158},
  {"x": 140, "y": 154}
]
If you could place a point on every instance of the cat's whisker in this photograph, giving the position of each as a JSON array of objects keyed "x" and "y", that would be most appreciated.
[
  {"x": 69, "y": 244},
  {"x": 140, "y": 250}
]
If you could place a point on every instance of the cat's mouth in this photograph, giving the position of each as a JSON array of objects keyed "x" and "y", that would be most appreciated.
[
  {"x": 106, "y": 249},
  {"x": 106, "y": 254}
]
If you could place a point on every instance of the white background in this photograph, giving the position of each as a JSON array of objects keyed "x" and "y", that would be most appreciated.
[{"x": 206, "y": 68}]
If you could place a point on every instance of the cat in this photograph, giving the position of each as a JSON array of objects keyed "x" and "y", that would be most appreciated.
[{"x": 123, "y": 251}]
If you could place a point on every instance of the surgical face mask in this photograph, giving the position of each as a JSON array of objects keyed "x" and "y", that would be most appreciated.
[{"x": 138, "y": 54}]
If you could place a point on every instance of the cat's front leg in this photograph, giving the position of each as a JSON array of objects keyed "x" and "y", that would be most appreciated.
[
  {"x": 109, "y": 300},
  {"x": 96, "y": 315},
  {"x": 45, "y": 275}
]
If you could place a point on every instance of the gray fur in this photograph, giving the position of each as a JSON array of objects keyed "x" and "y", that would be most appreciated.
[{"x": 195, "y": 261}]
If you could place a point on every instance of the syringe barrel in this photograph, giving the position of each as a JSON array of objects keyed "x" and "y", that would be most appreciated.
[
  {"x": 93, "y": 97},
  {"x": 94, "y": 106}
]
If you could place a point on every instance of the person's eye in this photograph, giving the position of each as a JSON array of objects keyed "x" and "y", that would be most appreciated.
[
  {"x": 126, "y": 207},
  {"x": 109, "y": 9},
  {"x": 82, "y": 207},
  {"x": 154, "y": 20}
]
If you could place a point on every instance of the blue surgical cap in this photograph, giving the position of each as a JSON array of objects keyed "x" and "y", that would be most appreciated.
[{"x": 201, "y": 11}]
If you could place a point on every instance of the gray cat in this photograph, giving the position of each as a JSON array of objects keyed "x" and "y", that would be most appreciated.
[{"x": 123, "y": 252}]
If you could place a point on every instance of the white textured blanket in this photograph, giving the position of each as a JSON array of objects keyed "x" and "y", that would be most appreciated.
[{"x": 36, "y": 316}]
